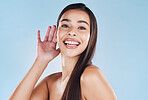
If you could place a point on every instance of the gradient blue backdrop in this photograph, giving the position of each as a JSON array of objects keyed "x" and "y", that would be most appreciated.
[{"x": 121, "y": 48}]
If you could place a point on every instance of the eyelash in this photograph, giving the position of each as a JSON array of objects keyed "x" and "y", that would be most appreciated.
[
  {"x": 65, "y": 26},
  {"x": 81, "y": 27}
]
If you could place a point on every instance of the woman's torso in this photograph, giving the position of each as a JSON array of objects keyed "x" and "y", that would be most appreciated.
[{"x": 56, "y": 89}]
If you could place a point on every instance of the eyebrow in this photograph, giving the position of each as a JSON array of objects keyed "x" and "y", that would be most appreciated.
[
  {"x": 68, "y": 20},
  {"x": 80, "y": 21}
]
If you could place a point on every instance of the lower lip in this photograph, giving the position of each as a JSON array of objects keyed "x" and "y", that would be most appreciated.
[{"x": 70, "y": 47}]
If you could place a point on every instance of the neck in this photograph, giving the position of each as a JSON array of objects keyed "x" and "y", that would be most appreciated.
[{"x": 68, "y": 64}]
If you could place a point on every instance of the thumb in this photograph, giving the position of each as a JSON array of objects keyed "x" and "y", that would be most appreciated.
[{"x": 58, "y": 50}]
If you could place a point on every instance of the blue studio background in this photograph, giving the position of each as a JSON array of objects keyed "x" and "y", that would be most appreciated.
[{"x": 121, "y": 51}]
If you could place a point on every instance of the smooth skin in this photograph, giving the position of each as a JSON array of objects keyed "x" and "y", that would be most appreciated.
[{"x": 94, "y": 84}]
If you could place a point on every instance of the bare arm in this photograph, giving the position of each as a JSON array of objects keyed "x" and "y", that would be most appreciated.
[
  {"x": 46, "y": 51},
  {"x": 26, "y": 86}
]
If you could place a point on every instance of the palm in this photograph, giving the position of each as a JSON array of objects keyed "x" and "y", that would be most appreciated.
[{"x": 47, "y": 49}]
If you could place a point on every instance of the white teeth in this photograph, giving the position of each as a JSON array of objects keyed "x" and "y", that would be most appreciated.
[{"x": 71, "y": 42}]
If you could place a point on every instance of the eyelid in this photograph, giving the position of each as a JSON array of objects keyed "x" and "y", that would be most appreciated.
[
  {"x": 64, "y": 25},
  {"x": 82, "y": 27}
]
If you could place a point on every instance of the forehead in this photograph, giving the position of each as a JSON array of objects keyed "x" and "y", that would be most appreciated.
[{"x": 76, "y": 15}]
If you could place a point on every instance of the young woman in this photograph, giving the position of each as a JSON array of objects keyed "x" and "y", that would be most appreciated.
[{"x": 76, "y": 35}]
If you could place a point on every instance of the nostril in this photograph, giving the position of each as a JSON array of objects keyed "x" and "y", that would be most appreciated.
[{"x": 72, "y": 34}]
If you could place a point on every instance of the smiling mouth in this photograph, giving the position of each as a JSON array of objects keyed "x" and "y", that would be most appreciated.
[{"x": 71, "y": 43}]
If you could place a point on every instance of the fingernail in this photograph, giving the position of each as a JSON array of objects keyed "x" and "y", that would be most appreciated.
[{"x": 54, "y": 25}]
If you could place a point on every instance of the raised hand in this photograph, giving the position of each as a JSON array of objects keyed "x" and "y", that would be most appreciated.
[{"x": 46, "y": 49}]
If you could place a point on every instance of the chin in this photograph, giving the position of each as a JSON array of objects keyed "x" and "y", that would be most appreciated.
[{"x": 71, "y": 53}]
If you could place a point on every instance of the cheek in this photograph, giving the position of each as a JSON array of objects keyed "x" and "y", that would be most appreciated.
[
  {"x": 86, "y": 38},
  {"x": 59, "y": 35},
  {"x": 61, "y": 32}
]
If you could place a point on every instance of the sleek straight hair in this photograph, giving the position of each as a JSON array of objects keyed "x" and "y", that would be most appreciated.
[{"x": 73, "y": 88}]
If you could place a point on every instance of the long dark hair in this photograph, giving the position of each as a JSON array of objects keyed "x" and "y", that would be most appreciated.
[{"x": 73, "y": 88}]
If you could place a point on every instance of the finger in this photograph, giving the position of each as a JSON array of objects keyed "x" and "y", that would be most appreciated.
[
  {"x": 55, "y": 36},
  {"x": 47, "y": 33},
  {"x": 52, "y": 33},
  {"x": 38, "y": 36},
  {"x": 58, "y": 50}
]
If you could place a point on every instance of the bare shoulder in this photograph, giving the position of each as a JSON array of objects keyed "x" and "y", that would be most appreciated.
[
  {"x": 90, "y": 71},
  {"x": 41, "y": 91},
  {"x": 50, "y": 79},
  {"x": 54, "y": 75},
  {"x": 95, "y": 86}
]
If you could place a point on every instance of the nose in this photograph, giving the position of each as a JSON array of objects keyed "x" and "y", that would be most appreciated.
[{"x": 72, "y": 33}]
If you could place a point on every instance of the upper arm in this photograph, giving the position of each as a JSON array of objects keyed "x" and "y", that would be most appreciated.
[
  {"x": 40, "y": 92},
  {"x": 95, "y": 85}
]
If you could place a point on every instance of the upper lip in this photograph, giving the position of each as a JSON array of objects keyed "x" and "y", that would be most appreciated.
[{"x": 71, "y": 39}]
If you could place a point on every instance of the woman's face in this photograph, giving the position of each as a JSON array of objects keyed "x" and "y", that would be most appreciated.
[{"x": 73, "y": 32}]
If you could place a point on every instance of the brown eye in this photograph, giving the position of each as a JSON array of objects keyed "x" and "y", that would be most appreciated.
[
  {"x": 82, "y": 28},
  {"x": 65, "y": 26}
]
